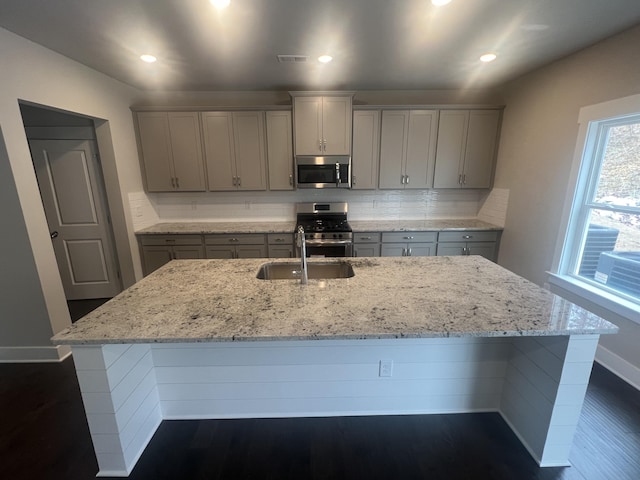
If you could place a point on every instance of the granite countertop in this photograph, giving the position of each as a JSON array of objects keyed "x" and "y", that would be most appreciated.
[
  {"x": 200, "y": 228},
  {"x": 421, "y": 225},
  {"x": 389, "y": 297},
  {"x": 217, "y": 227}
]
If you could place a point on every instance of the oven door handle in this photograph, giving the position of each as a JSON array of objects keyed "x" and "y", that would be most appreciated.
[{"x": 328, "y": 242}]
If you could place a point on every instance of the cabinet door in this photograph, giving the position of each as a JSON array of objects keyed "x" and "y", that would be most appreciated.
[
  {"x": 186, "y": 148},
  {"x": 155, "y": 147},
  {"x": 250, "y": 160},
  {"x": 451, "y": 249},
  {"x": 480, "y": 152},
  {"x": 336, "y": 125},
  {"x": 280, "y": 150},
  {"x": 393, "y": 249},
  {"x": 281, "y": 251},
  {"x": 219, "y": 150},
  {"x": 221, "y": 252},
  {"x": 452, "y": 134},
  {"x": 421, "y": 148},
  {"x": 366, "y": 149},
  {"x": 486, "y": 249},
  {"x": 251, "y": 251},
  {"x": 154, "y": 257},
  {"x": 393, "y": 140},
  {"x": 421, "y": 249},
  {"x": 307, "y": 113},
  {"x": 183, "y": 252},
  {"x": 367, "y": 250}
]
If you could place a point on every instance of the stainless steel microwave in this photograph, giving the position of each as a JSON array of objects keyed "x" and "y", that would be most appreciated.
[{"x": 323, "y": 172}]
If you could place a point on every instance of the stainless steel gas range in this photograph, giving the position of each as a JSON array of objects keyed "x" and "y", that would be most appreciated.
[{"x": 326, "y": 230}]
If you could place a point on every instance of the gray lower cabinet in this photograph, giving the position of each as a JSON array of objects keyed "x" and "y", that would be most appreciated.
[
  {"x": 484, "y": 243},
  {"x": 160, "y": 249},
  {"x": 250, "y": 245},
  {"x": 366, "y": 244},
  {"x": 280, "y": 245},
  {"x": 409, "y": 244}
]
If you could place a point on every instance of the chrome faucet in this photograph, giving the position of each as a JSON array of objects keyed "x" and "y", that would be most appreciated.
[{"x": 304, "y": 279}]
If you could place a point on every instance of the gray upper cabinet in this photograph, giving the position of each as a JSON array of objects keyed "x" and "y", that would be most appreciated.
[
  {"x": 279, "y": 150},
  {"x": 322, "y": 124},
  {"x": 235, "y": 150},
  {"x": 366, "y": 149},
  {"x": 171, "y": 151},
  {"x": 407, "y": 148},
  {"x": 467, "y": 141}
]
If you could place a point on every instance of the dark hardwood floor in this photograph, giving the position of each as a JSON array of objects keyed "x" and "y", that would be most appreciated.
[{"x": 44, "y": 435}]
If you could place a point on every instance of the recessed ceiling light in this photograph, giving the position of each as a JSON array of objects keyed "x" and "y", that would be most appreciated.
[
  {"x": 488, "y": 57},
  {"x": 148, "y": 58},
  {"x": 220, "y": 4},
  {"x": 440, "y": 3},
  {"x": 325, "y": 58}
]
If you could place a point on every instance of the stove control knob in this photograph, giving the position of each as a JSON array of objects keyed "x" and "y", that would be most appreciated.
[{"x": 340, "y": 235}]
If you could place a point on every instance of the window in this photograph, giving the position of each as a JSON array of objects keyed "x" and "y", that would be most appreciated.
[{"x": 602, "y": 245}]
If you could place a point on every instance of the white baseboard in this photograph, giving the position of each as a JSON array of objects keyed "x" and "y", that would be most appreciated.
[
  {"x": 619, "y": 366},
  {"x": 34, "y": 354}
]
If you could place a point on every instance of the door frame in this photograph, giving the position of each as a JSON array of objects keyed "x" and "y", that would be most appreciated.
[{"x": 123, "y": 239}]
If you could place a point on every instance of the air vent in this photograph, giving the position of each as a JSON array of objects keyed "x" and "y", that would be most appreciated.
[{"x": 292, "y": 58}]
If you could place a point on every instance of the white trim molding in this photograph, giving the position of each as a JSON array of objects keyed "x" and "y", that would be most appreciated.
[
  {"x": 34, "y": 354},
  {"x": 618, "y": 366}
]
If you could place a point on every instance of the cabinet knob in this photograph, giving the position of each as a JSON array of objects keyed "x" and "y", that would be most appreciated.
[
  {"x": 467, "y": 237},
  {"x": 290, "y": 179},
  {"x": 54, "y": 234}
]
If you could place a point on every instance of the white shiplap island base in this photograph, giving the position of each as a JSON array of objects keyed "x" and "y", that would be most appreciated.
[{"x": 207, "y": 339}]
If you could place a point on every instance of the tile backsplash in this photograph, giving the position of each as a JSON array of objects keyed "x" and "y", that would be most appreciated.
[{"x": 147, "y": 209}]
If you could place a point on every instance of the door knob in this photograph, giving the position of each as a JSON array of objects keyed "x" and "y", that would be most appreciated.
[{"x": 54, "y": 234}]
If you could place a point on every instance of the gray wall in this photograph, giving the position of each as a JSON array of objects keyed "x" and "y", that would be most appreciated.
[
  {"x": 22, "y": 309},
  {"x": 537, "y": 149}
]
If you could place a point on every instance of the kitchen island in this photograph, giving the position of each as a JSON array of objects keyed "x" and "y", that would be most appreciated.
[{"x": 207, "y": 339}]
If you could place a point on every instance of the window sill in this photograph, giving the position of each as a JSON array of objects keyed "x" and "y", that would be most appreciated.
[{"x": 603, "y": 299}]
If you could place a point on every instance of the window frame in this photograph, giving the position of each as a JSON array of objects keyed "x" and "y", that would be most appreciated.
[{"x": 594, "y": 124}]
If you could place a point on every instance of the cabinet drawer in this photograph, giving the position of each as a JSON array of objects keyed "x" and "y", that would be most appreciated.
[
  {"x": 468, "y": 236},
  {"x": 279, "y": 238},
  {"x": 241, "y": 239},
  {"x": 366, "y": 237},
  {"x": 170, "y": 240},
  {"x": 409, "y": 237}
]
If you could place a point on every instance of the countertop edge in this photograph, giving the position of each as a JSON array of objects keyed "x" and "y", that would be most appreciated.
[
  {"x": 213, "y": 228},
  {"x": 496, "y": 334}
]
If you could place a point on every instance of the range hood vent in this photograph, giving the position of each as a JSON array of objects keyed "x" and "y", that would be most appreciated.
[{"x": 292, "y": 58}]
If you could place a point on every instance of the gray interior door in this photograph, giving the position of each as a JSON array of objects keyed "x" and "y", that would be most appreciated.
[{"x": 73, "y": 196}]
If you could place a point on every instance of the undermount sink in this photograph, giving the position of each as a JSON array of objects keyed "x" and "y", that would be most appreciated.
[{"x": 291, "y": 271}]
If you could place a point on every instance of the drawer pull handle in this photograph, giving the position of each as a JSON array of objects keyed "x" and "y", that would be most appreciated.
[
  {"x": 408, "y": 238},
  {"x": 467, "y": 237},
  {"x": 365, "y": 238}
]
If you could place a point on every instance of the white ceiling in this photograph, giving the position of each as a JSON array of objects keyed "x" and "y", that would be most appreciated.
[{"x": 376, "y": 44}]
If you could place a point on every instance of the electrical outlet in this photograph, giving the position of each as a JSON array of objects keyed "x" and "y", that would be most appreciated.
[{"x": 386, "y": 368}]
